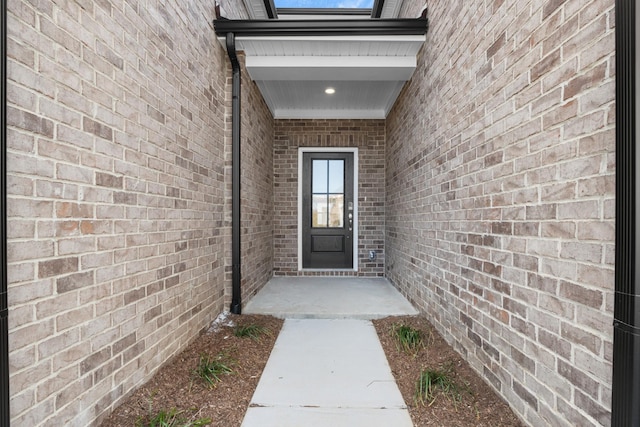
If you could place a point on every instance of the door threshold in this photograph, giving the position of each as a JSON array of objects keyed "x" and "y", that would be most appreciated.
[{"x": 324, "y": 270}]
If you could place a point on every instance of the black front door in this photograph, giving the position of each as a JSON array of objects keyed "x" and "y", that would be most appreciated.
[{"x": 327, "y": 210}]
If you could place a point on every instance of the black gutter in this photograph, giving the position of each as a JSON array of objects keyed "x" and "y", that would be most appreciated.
[
  {"x": 236, "y": 260},
  {"x": 5, "y": 418},
  {"x": 625, "y": 405},
  {"x": 322, "y": 27}
]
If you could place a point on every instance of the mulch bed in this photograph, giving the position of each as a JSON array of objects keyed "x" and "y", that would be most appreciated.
[
  {"x": 175, "y": 387},
  {"x": 478, "y": 405}
]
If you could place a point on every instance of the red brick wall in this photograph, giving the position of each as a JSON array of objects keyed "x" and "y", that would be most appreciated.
[
  {"x": 368, "y": 136},
  {"x": 500, "y": 197}
]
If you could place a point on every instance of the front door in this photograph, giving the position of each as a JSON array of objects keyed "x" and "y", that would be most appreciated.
[{"x": 327, "y": 210}]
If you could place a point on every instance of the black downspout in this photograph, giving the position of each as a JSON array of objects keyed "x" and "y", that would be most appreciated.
[
  {"x": 236, "y": 261},
  {"x": 4, "y": 305},
  {"x": 625, "y": 405}
]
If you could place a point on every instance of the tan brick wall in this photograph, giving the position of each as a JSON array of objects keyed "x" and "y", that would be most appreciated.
[
  {"x": 234, "y": 9},
  {"x": 368, "y": 136},
  {"x": 116, "y": 197},
  {"x": 499, "y": 185},
  {"x": 500, "y": 197},
  {"x": 257, "y": 201}
]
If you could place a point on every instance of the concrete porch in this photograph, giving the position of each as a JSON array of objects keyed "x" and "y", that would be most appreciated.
[{"x": 329, "y": 298}]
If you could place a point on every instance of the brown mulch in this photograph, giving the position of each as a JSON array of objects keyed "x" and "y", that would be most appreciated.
[
  {"x": 478, "y": 405},
  {"x": 175, "y": 385}
]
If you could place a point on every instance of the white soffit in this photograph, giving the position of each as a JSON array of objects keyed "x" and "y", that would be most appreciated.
[
  {"x": 256, "y": 9},
  {"x": 391, "y": 9},
  {"x": 367, "y": 73},
  {"x": 351, "y": 100}
]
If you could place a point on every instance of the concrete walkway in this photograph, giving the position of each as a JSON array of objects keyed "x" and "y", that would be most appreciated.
[{"x": 324, "y": 370}]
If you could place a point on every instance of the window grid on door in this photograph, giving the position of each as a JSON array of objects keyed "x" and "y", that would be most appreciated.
[{"x": 327, "y": 192}]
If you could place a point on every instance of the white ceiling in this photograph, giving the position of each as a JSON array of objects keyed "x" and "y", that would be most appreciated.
[
  {"x": 352, "y": 100},
  {"x": 293, "y": 72}
]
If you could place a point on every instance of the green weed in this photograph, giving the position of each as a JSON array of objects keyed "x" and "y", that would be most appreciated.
[
  {"x": 252, "y": 331},
  {"x": 407, "y": 339},
  {"x": 434, "y": 381},
  {"x": 211, "y": 368},
  {"x": 171, "y": 418}
]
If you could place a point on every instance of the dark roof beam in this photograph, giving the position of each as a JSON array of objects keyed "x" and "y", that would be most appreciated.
[
  {"x": 270, "y": 7},
  {"x": 349, "y": 27},
  {"x": 376, "y": 11}
]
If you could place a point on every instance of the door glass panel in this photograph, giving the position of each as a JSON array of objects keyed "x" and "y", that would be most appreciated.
[
  {"x": 336, "y": 176},
  {"x": 327, "y": 186},
  {"x": 336, "y": 210},
  {"x": 319, "y": 170},
  {"x": 327, "y": 199},
  {"x": 320, "y": 212}
]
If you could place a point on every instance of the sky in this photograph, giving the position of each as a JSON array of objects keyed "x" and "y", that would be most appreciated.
[{"x": 365, "y": 4}]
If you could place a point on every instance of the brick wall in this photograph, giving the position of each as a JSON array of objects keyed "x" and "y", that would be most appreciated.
[
  {"x": 116, "y": 197},
  {"x": 256, "y": 191},
  {"x": 368, "y": 136},
  {"x": 500, "y": 197}
]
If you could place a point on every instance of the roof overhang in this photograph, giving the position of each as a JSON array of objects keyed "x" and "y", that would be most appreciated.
[
  {"x": 321, "y": 27},
  {"x": 366, "y": 61}
]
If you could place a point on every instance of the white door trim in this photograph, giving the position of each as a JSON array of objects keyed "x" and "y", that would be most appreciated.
[{"x": 354, "y": 150}]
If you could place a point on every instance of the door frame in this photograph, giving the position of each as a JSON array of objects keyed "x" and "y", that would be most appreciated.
[{"x": 354, "y": 150}]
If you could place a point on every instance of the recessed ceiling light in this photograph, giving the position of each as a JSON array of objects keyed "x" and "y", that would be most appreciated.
[{"x": 329, "y": 91}]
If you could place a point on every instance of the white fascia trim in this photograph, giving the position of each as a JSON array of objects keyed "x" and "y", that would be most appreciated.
[
  {"x": 353, "y": 150},
  {"x": 416, "y": 38},
  {"x": 344, "y": 68},
  {"x": 330, "y": 114},
  {"x": 415, "y": 41}
]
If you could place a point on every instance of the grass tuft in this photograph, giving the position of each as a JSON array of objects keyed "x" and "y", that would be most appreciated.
[
  {"x": 407, "y": 339},
  {"x": 211, "y": 368},
  {"x": 437, "y": 381},
  {"x": 171, "y": 418},
  {"x": 252, "y": 331}
]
